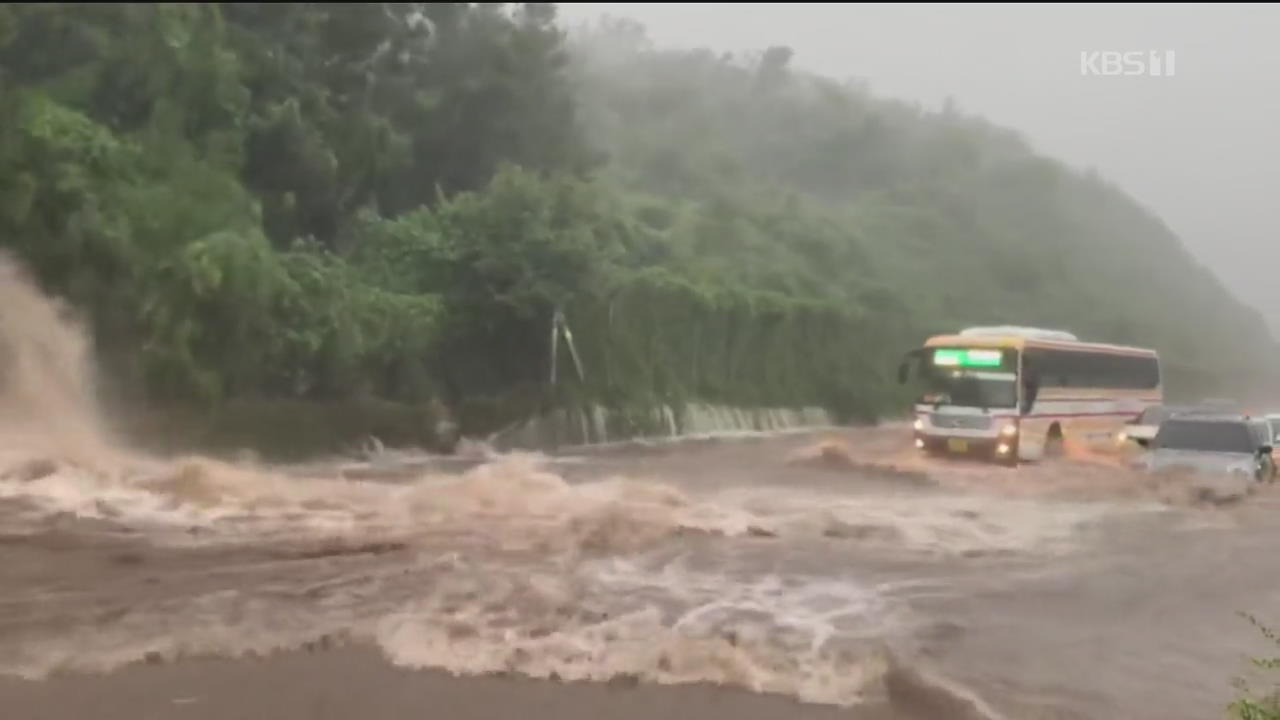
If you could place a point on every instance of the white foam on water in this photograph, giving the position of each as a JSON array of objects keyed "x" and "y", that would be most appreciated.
[
  {"x": 804, "y": 637},
  {"x": 940, "y": 524}
]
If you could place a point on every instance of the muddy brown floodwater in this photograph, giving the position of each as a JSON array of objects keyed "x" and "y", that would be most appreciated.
[{"x": 813, "y": 575}]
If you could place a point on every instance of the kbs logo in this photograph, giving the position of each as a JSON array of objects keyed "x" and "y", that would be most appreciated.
[{"x": 1152, "y": 63}]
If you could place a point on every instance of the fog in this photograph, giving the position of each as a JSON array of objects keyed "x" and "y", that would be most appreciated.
[{"x": 1200, "y": 148}]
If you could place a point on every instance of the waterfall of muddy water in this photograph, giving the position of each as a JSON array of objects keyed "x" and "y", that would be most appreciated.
[
  {"x": 46, "y": 380},
  {"x": 767, "y": 565}
]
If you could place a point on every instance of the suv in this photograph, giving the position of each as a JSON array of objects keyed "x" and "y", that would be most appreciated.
[{"x": 1235, "y": 444}]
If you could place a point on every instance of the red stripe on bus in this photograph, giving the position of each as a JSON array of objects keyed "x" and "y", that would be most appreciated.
[
  {"x": 1049, "y": 415},
  {"x": 1097, "y": 400},
  {"x": 1063, "y": 415}
]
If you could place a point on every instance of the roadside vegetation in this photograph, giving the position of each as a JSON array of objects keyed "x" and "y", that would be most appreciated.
[{"x": 1252, "y": 704}]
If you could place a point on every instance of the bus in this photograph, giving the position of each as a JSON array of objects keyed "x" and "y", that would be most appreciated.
[{"x": 1014, "y": 394}]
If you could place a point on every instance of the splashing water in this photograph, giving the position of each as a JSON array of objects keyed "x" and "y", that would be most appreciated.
[
  {"x": 675, "y": 625},
  {"x": 506, "y": 567},
  {"x": 46, "y": 379}
]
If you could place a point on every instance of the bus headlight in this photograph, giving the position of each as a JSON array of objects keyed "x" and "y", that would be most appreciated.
[
  {"x": 919, "y": 444},
  {"x": 1009, "y": 430},
  {"x": 918, "y": 424},
  {"x": 1002, "y": 449}
]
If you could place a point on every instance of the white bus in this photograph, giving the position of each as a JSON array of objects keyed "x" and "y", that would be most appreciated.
[{"x": 1013, "y": 393}]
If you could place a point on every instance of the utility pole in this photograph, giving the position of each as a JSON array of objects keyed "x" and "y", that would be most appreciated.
[
  {"x": 560, "y": 327},
  {"x": 555, "y": 327}
]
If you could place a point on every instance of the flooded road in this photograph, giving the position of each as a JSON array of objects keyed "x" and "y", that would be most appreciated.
[
  {"x": 740, "y": 562},
  {"x": 839, "y": 568}
]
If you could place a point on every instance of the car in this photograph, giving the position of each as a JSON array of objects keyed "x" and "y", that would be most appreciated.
[
  {"x": 1211, "y": 443},
  {"x": 1142, "y": 429}
]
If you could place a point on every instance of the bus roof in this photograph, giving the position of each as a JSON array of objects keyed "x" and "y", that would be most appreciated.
[
  {"x": 1020, "y": 331},
  {"x": 1021, "y": 342}
]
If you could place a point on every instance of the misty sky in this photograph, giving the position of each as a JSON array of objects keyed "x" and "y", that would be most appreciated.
[{"x": 1201, "y": 148}]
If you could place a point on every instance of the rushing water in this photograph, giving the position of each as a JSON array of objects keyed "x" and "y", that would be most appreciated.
[{"x": 820, "y": 570}]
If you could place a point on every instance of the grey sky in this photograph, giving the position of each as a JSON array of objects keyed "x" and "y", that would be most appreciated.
[{"x": 1201, "y": 148}]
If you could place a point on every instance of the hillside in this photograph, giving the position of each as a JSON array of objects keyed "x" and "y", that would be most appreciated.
[
  {"x": 315, "y": 206},
  {"x": 956, "y": 220}
]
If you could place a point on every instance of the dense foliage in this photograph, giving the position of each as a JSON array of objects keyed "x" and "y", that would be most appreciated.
[{"x": 328, "y": 201}]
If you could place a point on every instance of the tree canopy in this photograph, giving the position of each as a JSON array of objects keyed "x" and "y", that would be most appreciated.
[{"x": 391, "y": 200}]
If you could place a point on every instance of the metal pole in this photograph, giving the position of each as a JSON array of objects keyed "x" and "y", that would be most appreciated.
[
  {"x": 573, "y": 351},
  {"x": 555, "y": 325}
]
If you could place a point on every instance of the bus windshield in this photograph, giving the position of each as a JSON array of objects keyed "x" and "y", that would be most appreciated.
[{"x": 970, "y": 377}]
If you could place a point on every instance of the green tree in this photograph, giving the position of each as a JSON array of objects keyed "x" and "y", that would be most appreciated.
[{"x": 332, "y": 203}]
